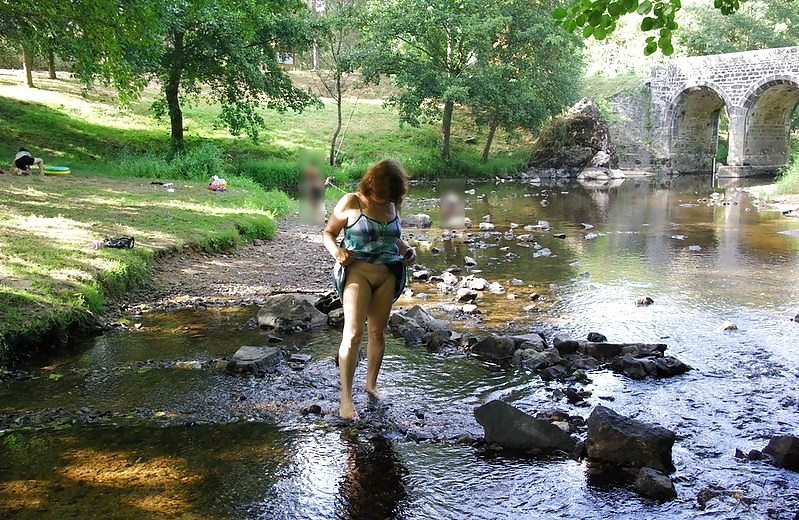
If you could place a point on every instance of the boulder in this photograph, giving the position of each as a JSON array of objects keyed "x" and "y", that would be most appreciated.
[
  {"x": 255, "y": 360},
  {"x": 627, "y": 442},
  {"x": 655, "y": 485},
  {"x": 785, "y": 450},
  {"x": 669, "y": 366},
  {"x": 495, "y": 347},
  {"x": 554, "y": 373},
  {"x": 419, "y": 220},
  {"x": 636, "y": 368},
  {"x": 328, "y": 302},
  {"x": 509, "y": 427},
  {"x": 526, "y": 341},
  {"x": 465, "y": 295},
  {"x": 573, "y": 139},
  {"x": 596, "y": 337},
  {"x": 565, "y": 344},
  {"x": 603, "y": 350},
  {"x": 335, "y": 318},
  {"x": 290, "y": 313},
  {"x": 530, "y": 358}
]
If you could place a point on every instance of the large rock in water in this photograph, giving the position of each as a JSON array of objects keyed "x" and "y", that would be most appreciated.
[
  {"x": 785, "y": 450},
  {"x": 255, "y": 360},
  {"x": 627, "y": 442},
  {"x": 420, "y": 220},
  {"x": 576, "y": 139},
  {"x": 290, "y": 313},
  {"x": 495, "y": 347},
  {"x": 511, "y": 428}
]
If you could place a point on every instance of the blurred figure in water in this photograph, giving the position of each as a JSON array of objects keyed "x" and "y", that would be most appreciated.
[
  {"x": 452, "y": 207},
  {"x": 312, "y": 188}
]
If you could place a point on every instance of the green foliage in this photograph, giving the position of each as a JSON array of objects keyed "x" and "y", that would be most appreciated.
[
  {"x": 272, "y": 172},
  {"x": 80, "y": 32},
  {"x": 531, "y": 72},
  {"x": 759, "y": 24},
  {"x": 197, "y": 163},
  {"x": 788, "y": 180},
  {"x": 431, "y": 51},
  {"x": 599, "y": 18}
]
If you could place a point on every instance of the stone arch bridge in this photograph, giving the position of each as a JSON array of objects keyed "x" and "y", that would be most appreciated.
[{"x": 758, "y": 89}]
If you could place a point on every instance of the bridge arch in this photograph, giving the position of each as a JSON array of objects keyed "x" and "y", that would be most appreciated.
[
  {"x": 767, "y": 110},
  {"x": 694, "y": 126}
]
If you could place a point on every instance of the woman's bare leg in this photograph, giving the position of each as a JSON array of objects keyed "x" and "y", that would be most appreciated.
[
  {"x": 356, "y": 299},
  {"x": 376, "y": 321},
  {"x": 40, "y": 163}
]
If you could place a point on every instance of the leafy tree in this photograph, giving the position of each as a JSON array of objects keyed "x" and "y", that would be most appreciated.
[
  {"x": 228, "y": 50},
  {"x": 338, "y": 41},
  {"x": 431, "y": 48},
  {"x": 759, "y": 24},
  {"x": 106, "y": 39},
  {"x": 530, "y": 74},
  {"x": 598, "y": 18}
]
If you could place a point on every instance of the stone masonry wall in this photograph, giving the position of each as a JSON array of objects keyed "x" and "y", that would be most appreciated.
[{"x": 760, "y": 90}]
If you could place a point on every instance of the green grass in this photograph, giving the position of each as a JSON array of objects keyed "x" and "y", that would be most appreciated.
[
  {"x": 49, "y": 283},
  {"x": 788, "y": 179},
  {"x": 90, "y": 133}
]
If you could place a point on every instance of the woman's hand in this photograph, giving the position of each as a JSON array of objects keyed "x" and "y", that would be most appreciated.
[
  {"x": 344, "y": 256},
  {"x": 410, "y": 256}
]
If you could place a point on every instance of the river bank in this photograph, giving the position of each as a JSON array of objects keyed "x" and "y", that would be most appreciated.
[{"x": 53, "y": 287}]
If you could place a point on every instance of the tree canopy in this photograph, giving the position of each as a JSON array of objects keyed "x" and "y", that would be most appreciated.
[
  {"x": 598, "y": 18},
  {"x": 758, "y": 24}
]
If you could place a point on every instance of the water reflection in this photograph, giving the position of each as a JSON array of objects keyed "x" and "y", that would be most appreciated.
[{"x": 374, "y": 486}]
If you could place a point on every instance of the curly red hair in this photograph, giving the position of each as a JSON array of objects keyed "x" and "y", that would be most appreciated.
[{"x": 386, "y": 178}]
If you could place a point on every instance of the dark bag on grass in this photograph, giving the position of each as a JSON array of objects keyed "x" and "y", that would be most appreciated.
[{"x": 119, "y": 243}]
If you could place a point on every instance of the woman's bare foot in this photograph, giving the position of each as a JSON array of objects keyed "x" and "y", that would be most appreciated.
[
  {"x": 374, "y": 393},
  {"x": 347, "y": 411}
]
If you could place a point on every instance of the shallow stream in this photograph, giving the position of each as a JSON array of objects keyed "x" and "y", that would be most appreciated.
[{"x": 139, "y": 424}]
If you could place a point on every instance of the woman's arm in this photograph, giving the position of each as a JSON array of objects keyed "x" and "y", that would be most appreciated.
[
  {"x": 405, "y": 249},
  {"x": 336, "y": 222}
]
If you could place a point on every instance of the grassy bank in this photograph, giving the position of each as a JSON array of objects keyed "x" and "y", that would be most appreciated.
[
  {"x": 50, "y": 284},
  {"x": 788, "y": 180},
  {"x": 89, "y": 132}
]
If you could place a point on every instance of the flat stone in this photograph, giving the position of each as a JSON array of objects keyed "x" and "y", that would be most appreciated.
[
  {"x": 290, "y": 313},
  {"x": 509, "y": 427},
  {"x": 255, "y": 360}
]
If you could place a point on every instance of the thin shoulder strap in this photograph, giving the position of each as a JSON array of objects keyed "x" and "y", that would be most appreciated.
[{"x": 360, "y": 208}]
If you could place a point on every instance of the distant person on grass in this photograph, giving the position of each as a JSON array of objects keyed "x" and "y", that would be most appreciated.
[
  {"x": 370, "y": 269},
  {"x": 24, "y": 160}
]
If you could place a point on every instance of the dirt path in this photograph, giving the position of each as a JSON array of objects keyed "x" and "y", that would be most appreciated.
[{"x": 294, "y": 260}]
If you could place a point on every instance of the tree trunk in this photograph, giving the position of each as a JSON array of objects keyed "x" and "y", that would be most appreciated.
[
  {"x": 446, "y": 128},
  {"x": 172, "y": 92},
  {"x": 332, "y": 159},
  {"x": 27, "y": 63},
  {"x": 51, "y": 64},
  {"x": 491, "y": 131}
]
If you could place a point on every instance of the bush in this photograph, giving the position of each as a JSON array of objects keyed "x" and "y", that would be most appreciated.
[
  {"x": 788, "y": 179},
  {"x": 199, "y": 163}
]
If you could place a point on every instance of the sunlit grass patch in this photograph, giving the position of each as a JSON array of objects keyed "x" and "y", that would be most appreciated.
[{"x": 49, "y": 280}]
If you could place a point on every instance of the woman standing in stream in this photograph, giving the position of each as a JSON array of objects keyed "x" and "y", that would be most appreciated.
[{"x": 370, "y": 269}]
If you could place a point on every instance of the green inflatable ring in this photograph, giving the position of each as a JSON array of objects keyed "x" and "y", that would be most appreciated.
[{"x": 56, "y": 170}]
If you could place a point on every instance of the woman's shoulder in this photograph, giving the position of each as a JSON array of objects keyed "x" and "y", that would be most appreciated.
[{"x": 351, "y": 201}]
